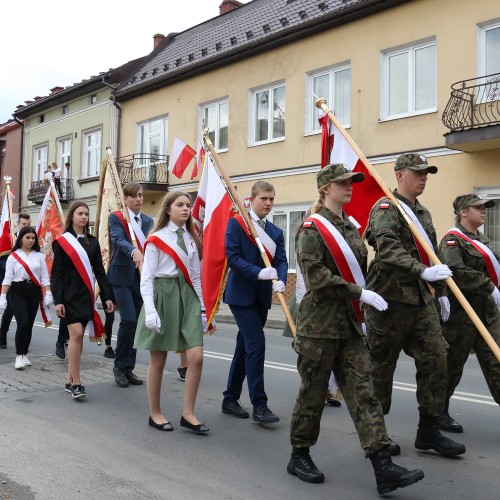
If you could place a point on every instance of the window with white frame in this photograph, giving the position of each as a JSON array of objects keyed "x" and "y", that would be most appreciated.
[
  {"x": 39, "y": 162},
  {"x": 152, "y": 137},
  {"x": 91, "y": 153},
  {"x": 334, "y": 85},
  {"x": 491, "y": 226},
  {"x": 216, "y": 117},
  {"x": 268, "y": 112},
  {"x": 409, "y": 80},
  {"x": 64, "y": 156},
  {"x": 489, "y": 47}
]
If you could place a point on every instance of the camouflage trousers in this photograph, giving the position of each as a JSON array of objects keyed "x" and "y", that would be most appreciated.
[
  {"x": 416, "y": 331},
  {"x": 462, "y": 337},
  {"x": 350, "y": 362}
]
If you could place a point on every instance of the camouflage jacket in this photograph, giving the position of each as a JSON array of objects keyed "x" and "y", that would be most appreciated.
[
  {"x": 395, "y": 271},
  {"x": 326, "y": 310},
  {"x": 470, "y": 275}
]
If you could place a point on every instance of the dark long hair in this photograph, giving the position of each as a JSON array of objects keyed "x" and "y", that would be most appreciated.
[
  {"x": 24, "y": 231},
  {"x": 69, "y": 218}
]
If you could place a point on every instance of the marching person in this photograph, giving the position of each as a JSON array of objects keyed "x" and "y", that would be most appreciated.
[
  {"x": 332, "y": 258},
  {"x": 125, "y": 278},
  {"x": 476, "y": 271},
  {"x": 26, "y": 276},
  {"x": 248, "y": 293},
  {"x": 77, "y": 259},
  {"x": 402, "y": 272},
  {"x": 173, "y": 317}
]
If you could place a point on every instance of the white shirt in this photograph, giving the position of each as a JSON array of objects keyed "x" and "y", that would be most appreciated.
[
  {"x": 14, "y": 271},
  {"x": 48, "y": 175},
  {"x": 57, "y": 172},
  {"x": 157, "y": 264},
  {"x": 255, "y": 217}
]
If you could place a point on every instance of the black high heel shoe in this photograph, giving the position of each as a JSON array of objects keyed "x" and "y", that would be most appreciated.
[
  {"x": 199, "y": 428},
  {"x": 167, "y": 426}
]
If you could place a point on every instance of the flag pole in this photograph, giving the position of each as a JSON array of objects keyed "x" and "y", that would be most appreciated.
[
  {"x": 7, "y": 180},
  {"x": 60, "y": 212},
  {"x": 234, "y": 195},
  {"x": 102, "y": 176},
  {"x": 321, "y": 103}
]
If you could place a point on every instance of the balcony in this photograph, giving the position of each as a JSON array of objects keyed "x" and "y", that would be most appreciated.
[
  {"x": 38, "y": 190},
  {"x": 151, "y": 171},
  {"x": 473, "y": 114}
]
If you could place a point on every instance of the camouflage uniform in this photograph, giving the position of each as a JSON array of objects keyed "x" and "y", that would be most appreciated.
[
  {"x": 329, "y": 337},
  {"x": 411, "y": 322}
]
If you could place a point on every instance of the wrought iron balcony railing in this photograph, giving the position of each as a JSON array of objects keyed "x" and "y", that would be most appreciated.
[
  {"x": 473, "y": 103},
  {"x": 143, "y": 168},
  {"x": 38, "y": 190}
]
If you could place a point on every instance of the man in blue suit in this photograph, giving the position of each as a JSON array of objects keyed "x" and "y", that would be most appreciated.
[
  {"x": 248, "y": 293},
  {"x": 125, "y": 279}
]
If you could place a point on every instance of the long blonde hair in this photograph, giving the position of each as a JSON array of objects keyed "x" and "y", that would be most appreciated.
[{"x": 320, "y": 201}]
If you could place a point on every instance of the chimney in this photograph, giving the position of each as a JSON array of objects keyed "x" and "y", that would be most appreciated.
[
  {"x": 158, "y": 38},
  {"x": 56, "y": 90},
  {"x": 37, "y": 98},
  {"x": 228, "y": 6}
]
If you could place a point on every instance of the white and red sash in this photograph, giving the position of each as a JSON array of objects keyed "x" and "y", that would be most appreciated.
[
  {"x": 342, "y": 254},
  {"x": 424, "y": 258},
  {"x": 43, "y": 308},
  {"x": 491, "y": 262},
  {"x": 267, "y": 242},
  {"x": 81, "y": 261},
  {"x": 139, "y": 235}
]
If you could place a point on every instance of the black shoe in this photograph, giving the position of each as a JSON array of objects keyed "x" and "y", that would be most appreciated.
[
  {"x": 390, "y": 476},
  {"x": 60, "y": 353},
  {"x": 167, "y": 426},
  {"x": 109, "y": 353},
  {"x": 120, "y": 377},
  {"x": 394, "y": 448},
  {"x": 182, "y": 372},
  {"x": 67, "y": 387},
  {"x": 198, "y": 428},
  {"x": 264, "y": 415},
  {"x": 429, "y": 438},
  {"x": 77, "y": 391},
  {"x": 234, "y": 408},
  {"x": 304, "y": 468},
  {"x": 133, "y": 379},
  {"x": 448, "y": 423}
]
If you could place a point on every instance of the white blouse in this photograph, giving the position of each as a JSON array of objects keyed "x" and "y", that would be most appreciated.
[
  {"x": 14, "y": 271},
  {"x": 157, "y": 264}
]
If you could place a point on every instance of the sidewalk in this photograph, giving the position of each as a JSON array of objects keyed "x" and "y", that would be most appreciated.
[{"x": 275, "y": 319}]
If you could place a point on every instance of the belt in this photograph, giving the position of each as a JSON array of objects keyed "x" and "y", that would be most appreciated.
[{"x": 24, "y": 281}]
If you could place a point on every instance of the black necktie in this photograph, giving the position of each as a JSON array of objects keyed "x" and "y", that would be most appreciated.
[{"x": 136, "y": 219}]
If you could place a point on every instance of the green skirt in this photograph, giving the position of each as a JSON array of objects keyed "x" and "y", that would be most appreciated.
[{"x": 179, "y": 310}]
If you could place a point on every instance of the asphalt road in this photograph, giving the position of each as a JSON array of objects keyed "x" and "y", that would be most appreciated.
[{"x": 53, "y": 447}]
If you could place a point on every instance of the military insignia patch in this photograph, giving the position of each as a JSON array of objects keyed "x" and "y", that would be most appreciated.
[
  {"x": 451, "y": 243},
  {"x": 307, "y": 223},
  {"x": 384, "y": 205}
]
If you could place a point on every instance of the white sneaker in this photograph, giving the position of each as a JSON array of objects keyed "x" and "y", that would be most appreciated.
[
  {"x": 19, "y": 364},
  {"x": 27, "y": 362}
]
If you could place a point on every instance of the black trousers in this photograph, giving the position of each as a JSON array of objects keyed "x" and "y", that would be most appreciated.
[
  {"x": 24, "y": 298},
  {"x": 6, "y": 320}
]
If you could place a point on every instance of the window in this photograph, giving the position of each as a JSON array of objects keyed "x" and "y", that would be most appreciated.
[
  {"x": 409, "y": 81},
  {"x": 152, "y": 137},
  {"x": 64, "y": 109},
  {"x": 91, "y": 153},
  {"x": 41, "y": 118},
  {"x": 334, "y": 85},
  {"x": 489, "y": 46},
  {"x": 216, "y": 117},
  {"x": 64, "y": 156},
  {"x": 491, "y": 226},
  {"x": 93, "y": 99},
  {"x": 39, "y": 162},
  {"x": 268, "y": 107}
]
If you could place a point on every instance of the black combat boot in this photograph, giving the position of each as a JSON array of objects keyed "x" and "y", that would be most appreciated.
[
  {"x": 390, "y": 476},
  {"x": 447, "y": 423},
  {"x": 302, "y": 466},
  {"x": 429, "y": 438}
]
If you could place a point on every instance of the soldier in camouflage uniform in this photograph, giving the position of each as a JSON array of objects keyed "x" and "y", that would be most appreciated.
[
  {"x": 330, "y": 337},
  {"x": 411, "y": 323},
  {"x": 470, "y": 272}
]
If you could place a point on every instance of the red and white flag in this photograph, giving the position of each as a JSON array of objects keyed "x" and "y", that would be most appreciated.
[
  {"x": 200, "y": 160},
  {"x": 6, "y": 243},
  {"x": 211, "y": 211},
  {"x": 181, "y": 157},
  {"x": 336, "y": 149}
]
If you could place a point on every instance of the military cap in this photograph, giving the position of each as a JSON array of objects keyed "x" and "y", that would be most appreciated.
[
  {"x": 337, "y": 172},
  {"x": 414, "y": 161},
  {"x": 464, "y": 201}
]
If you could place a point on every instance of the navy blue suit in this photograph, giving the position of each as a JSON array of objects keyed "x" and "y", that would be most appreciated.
[
  {"x": 125, "y": 280},
  {"x": 250, "y": 300}
]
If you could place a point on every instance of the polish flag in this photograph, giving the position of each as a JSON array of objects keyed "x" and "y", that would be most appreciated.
[
  {"x": 336, "y": 149},
  {"x": 211, "y": 211},
  {"x": 200, "y": 159},
  {"x": 181, "y": 156},
  {"x": 5, "y": 240}
]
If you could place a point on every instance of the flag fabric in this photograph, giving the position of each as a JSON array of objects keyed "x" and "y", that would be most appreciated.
[
  {"x": 211, "y": 211},
  {"x": 336, "y": 149},
  {"x": 48, "y": 227},
  {"x": 5, "y": 241},
  {"x": 181, "y": 157},
  {"x": 200, "y": 159}
]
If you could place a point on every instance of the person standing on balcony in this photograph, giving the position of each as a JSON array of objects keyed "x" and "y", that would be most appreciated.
[
  {"x": 48, "y": 175},
  {"x": 57, "y": 178},
  {"x": 125, "y": 279}
]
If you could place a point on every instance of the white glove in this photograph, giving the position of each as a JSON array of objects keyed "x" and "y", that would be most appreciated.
[
  {"x": 279, "y": 286},
  {"x": 204, "y": 322},
  {"x": 3, "y": 301},
  {"x": 445, "y": 307},
  {"x": 48, "y": 299},
  {"x": 373, "y": 299},
  {"x": 153, "y": 321},
  {"x": 268, "y": 273},
  {"x": 496, "y": 297},
  {"x": 436, "y": 273}
]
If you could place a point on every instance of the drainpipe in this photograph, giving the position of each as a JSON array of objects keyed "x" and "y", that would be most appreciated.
[
  {"x": 22, "y": 158},
  {"x": 117, "y": 105}
]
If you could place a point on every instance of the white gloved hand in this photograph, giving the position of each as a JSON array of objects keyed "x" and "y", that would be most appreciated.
[
  {"x": 445, "y": 308},
  {"x": 279, "y": 286},
  {"x": 436, "y": 273},
  {"x": 3, "y": 301},
  {"x": 48, "y": 299},
  {"x": 496, "y": 297},
  {"x": 153, "y": 321},
  {"x": 373, "y": 299},
  {"x": 268, "y": 273},
  {"x": 204, "y": 322}
]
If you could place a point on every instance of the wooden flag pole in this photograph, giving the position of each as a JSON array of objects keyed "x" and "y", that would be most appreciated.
[
  {"x": 321, "y": 103},
  {"x": 60, "y": 212},
  {"x": 7, "y": 180},
  {"x": 234, "y": 195},
  {"x": 102, "y": 176}
]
